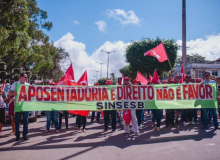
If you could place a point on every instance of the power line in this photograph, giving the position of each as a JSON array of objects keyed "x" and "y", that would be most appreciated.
[{"x": 205, "y": 31}]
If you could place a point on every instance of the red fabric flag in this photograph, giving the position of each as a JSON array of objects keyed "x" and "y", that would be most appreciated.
[
  {"x": 156, "y": 79},
  {"x": 70, "y": 83},
  {"x": 79, "y": 112},
  {"x": 69, "y": 75},
  {"x": 150, "y": 78},
  {"x": 142, "y": 79},
  {"x": 121, "y": 80},
  {"x": 159, "y": 52},
  {"x": 83, "y": 79},
  {"x": 127, "y": 116},
  {"x": 182, "y": 74}
]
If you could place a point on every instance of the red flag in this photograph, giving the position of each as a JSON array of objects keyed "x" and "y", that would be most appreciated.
[
  {"x": 142, "y": 79},
  {"x": 70, "y": 83},
  {"x": 159, "y": 52},
  {"x": 156, "y": 79},
  {"x": 83, "y": 79},
  {"x": 127, "y": 116},
  {"x": 182, "y": 74},
  {"x": 150, "y": 78},
  {"x": 79, "y": 112},
  {"x": 121, "y": 80},
  {"x": 69, "y": 75}
]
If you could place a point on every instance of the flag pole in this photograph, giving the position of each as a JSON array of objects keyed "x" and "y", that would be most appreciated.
[{"x": 170, "y": 64}]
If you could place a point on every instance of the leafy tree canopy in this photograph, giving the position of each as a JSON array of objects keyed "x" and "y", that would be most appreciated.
[{"x": 147, "y": 64}]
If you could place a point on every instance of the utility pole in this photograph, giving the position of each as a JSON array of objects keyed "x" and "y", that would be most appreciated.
[
  {"x": 184, "y": 35},
  {"x": 107, "y": 60},
  {"x": 101, "y": 69}
]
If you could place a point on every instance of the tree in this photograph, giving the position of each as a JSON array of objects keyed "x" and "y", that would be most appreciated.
[
  {"x": 102, "y": 81},
  {"x": 194, "y": 58},
  {"x": 23, "y": 42},
  {"x": 127, "y": 71},
  {"x": 147, "y": 64},
  {"x": 13, "y": 27}
]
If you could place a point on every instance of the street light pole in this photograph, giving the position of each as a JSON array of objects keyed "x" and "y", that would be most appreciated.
[
  {"x": 107, "y": 60},
  {"x": 96, "y": 76},
  {"x": 101, "y": 69},
  {"x": 184, "y": 34}
]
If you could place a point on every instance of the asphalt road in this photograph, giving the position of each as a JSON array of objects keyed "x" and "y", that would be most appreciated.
[{"x": 182, "y": 142}]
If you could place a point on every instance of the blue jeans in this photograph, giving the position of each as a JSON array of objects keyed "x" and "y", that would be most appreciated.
[
  {"x": 157, "y": 114},
  {"x": 205, "y": 116},
  {"x": 142, "y": 115},
  {"x": 210, "y": 115},
  {"x": 25, "y": 123},
  {"x": 54, "y": 115},
  {"x": 153, "y": 116}
]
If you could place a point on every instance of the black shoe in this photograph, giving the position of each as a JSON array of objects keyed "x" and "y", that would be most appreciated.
[
  {"x": 17, "y": 138},
  {"x": 25, "y": 138},
  {"x": 67, "y": 128},
  {"x": 97, "y": 121},
  {"x": 113, "y": 130},
  {"x": 204, "y": 127},
  {"x": 173, "y": 125},
  {"x": 59, "y": 127},
  {"x": 91, "y": 121},
  {"x": 217, "y": 127},
  {"x": 105, "y": 130},
  {"x": 167, "y": 126}
]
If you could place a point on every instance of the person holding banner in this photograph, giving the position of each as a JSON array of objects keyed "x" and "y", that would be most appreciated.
[
  {"x": 205, "y": 110},
  {"x": 176, "y": 81},
  {"x": 25, "y": 114},
  {"x": 60, "y": 118},
  {"x": 188, "y": 113},
  {"x": 52, "y": 115},
  {"x": 138, "y": 111},
  {"x": 132, "y": 115},
  {"x": 108, "y": 113}
]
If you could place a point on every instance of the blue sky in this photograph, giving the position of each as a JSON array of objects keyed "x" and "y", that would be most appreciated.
[
  {"x": 157, "y": 18},
  {"x": 126, "y": 20}
]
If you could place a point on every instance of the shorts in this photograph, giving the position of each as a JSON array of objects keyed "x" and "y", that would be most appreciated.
[{"x": 2, "y": 115}]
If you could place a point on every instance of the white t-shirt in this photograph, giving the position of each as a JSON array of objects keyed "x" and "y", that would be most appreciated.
[
  {"x": 14, "y": 85},
  {"x": 2, "y": 103}
]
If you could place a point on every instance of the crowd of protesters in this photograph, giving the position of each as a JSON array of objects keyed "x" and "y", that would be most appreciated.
[{"x": 54, "y": 118}]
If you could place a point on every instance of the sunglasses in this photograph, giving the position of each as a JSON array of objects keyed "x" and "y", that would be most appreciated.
[
  {"x": 25, "y": 77},
  {"x": 206, "y": 75}
]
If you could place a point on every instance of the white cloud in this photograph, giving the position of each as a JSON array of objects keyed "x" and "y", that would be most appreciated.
[
  {"x": 76, "y": 22},
  {"x": 101, "y": 25},
  {"x": 82, "y": 61},
  {"x": 124, "y": 17},
  {"x": 208, "y": 47}
]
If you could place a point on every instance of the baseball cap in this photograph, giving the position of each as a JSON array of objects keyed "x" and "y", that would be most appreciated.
[
  {"x": 171, "y": 80},
  {"x": 126, "y": 78},
  {"x": 198, "y": 80},
  {"x": 135, "y": 81},
  {"x": 178, "y": 76},
  {"x": 164, "y": 82},
  {"x": 188, "y": 76},
  {"x": 108, "y": 82}
]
